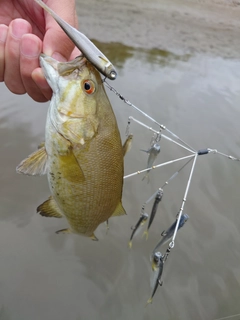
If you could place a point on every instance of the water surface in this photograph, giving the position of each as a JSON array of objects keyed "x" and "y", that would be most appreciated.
[{"x": 49, "y": 276}]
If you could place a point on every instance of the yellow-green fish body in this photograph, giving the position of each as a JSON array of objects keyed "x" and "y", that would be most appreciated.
[{"x": 83, "y": 147}]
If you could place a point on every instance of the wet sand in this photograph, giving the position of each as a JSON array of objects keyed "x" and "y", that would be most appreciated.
[{"x": 181, "y": 27}]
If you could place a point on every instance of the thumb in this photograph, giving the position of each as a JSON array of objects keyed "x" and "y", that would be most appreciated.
[{"x": 55, "y": 42}]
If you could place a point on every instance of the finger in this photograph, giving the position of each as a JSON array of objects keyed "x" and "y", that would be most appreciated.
[
  {"x": 12, "y": 76},
  {"x": 41, "y": 82},
  {"x": 3, "y": 37},
  {"x": 75, "y": 53},
  {"x": 30, "y": 49},
  {"x": 56, "y": 43}
]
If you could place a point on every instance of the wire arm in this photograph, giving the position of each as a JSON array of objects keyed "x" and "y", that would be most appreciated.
[
  {"x": 157, "y": 166},
  {"x": 157, "y": 132},
  {"x": 161, "y": 126},
  {"x": 223, "y": 154},
  {"x": 183, "y": 202}
]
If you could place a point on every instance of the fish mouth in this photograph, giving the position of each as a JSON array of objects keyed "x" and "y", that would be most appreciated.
[
  {"x": 46, "y": 59},
  {"x": 61, "y": 67},
  {"x": 53, "y": 69}
]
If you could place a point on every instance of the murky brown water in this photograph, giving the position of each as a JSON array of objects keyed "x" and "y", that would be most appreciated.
[{"x": 49, "y": 276}]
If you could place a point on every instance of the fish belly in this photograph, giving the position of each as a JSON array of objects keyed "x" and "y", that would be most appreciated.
[{"x": 86, "y": 180}]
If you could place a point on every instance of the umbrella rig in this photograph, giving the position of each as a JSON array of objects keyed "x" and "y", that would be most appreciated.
[
  {"x": 101, "y": 62},
  {"x": 158, "y": 259}
]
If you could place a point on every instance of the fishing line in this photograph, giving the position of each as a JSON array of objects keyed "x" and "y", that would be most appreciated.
[
  {"x": 200, "y": 152},
  {"x": 162, "y": 127},
  {"x": 223, "y": 154},
  {"x": 165, "y": 184},
  {"x": 156, "y": 132},
  {"x": 169, "y": 139},
  {"x": 158, "y": 198},
  {"x": 176, "y": 173},
  {"x": 183, "y": 145},
  {"x": 141, "y": 123}
]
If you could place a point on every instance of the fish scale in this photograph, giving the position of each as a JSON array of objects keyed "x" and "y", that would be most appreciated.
[
  {"x": 91, "y": 193},
  {"x": 83, "y": 149}
]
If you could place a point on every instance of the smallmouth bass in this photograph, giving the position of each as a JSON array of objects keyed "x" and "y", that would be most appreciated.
[{"x": 82, "y": 155}]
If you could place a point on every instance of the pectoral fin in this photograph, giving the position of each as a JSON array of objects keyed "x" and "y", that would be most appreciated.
[
  {"x": 119, "y": 211},
  {"x": 64, "y": 231},
  {"x": 49, "y": 208},
  {"x": 35, "y": 164},
  {"x": 42, "y": 144},
  {"x": 71, "y": 168}
]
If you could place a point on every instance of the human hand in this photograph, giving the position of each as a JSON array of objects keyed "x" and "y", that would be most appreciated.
[{"x": 26, "y": 30}]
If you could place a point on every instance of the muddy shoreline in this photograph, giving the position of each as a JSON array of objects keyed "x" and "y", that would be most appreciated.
[{"x": 185, "y": 27}]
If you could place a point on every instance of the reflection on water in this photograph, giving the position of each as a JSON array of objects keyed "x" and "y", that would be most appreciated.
[
  {"x": 118, "y": 54},
  {"x": 44, "y": 275}
]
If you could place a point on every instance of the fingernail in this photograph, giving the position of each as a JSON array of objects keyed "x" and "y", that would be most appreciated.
[
  {"x": 40, "y": 80},
  {"x": 18, "y": 29},
  {"x": 3, "y": 33},
  {"x": 29, "y": 47},
  {"x": 58, "y": 57}
]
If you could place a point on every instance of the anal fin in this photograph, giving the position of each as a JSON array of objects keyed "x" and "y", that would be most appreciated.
[
  {"x": 35, "y": 164},
  {"x": 119, "y": 211},
  {"x": 49, "y": 208}
]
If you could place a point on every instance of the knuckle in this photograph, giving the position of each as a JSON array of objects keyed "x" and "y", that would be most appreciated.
[
  {"x": 38, "y": 97},
  {"x": 15, "y": 87}
]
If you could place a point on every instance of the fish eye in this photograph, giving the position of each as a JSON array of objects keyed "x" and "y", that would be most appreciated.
[{"x": 89, "y": 86}]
